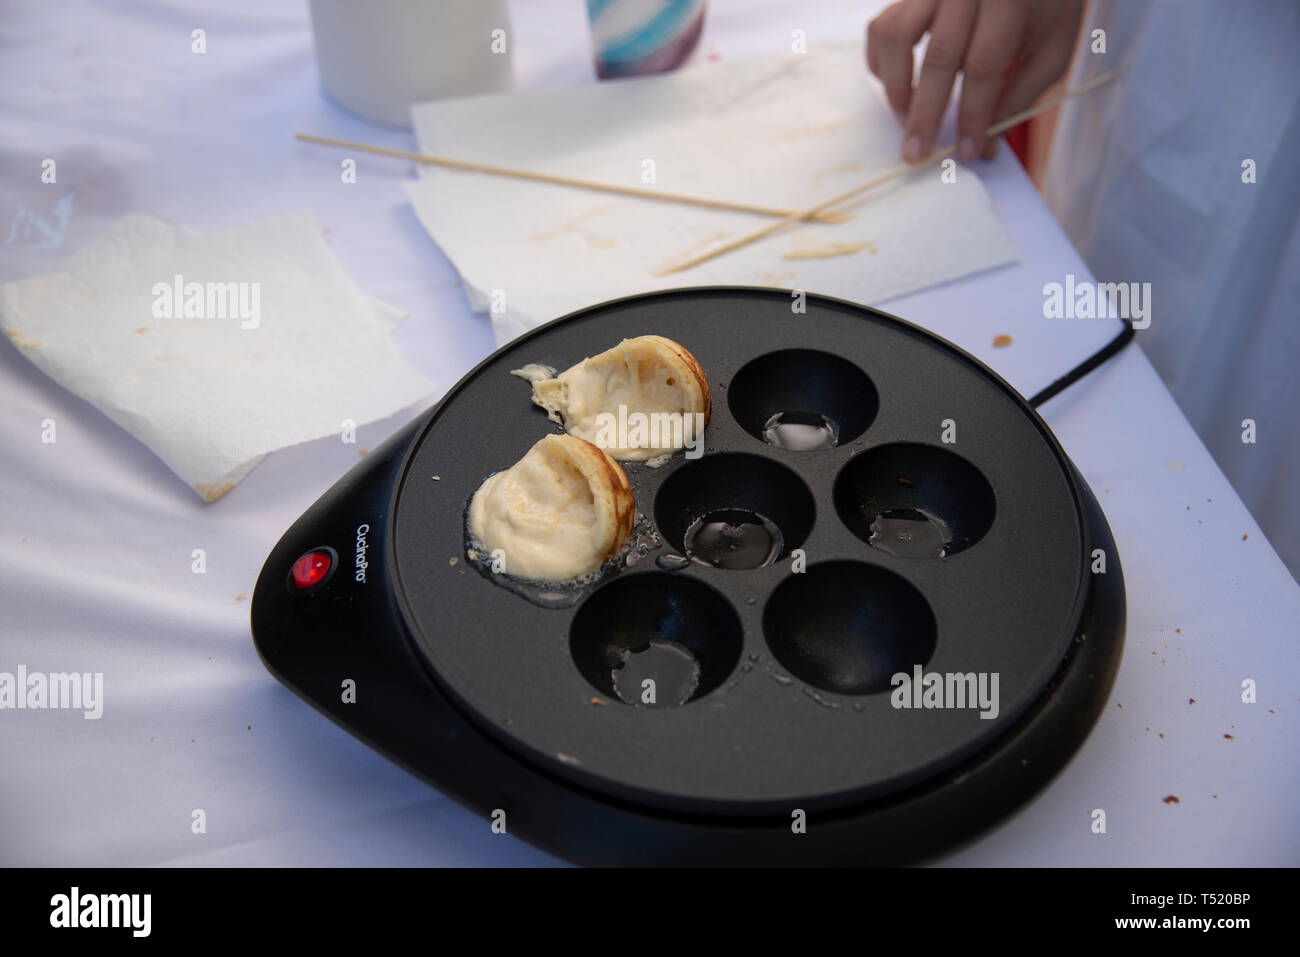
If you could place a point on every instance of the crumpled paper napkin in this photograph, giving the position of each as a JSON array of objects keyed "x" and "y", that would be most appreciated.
[
  {"x": 784, "y": 130},
  {"x": 214, "y": 350}
]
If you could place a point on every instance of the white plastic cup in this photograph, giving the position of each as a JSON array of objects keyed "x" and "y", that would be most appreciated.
[{"x": 377, "y": 57}]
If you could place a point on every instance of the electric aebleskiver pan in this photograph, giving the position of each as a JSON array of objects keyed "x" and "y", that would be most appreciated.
[{"x": 791, "y": 749}]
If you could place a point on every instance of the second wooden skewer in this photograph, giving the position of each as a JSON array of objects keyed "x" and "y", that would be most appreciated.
[
  {"x": 995, "y": 130},
  {"x": 556, "y": 180}
]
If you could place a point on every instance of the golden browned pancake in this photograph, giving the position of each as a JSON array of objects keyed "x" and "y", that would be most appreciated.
[
  {"x": 558, "y": 513},
  {"x": 647, "y": 376}
]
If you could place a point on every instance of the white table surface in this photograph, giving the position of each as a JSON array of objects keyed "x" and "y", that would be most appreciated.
[{"x": 96, "y": 533}]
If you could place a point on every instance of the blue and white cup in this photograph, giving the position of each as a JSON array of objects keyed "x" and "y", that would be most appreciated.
[{"x": 634, "y": 37}]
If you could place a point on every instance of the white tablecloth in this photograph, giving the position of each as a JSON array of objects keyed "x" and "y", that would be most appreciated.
[{"x": 96, "y": 535}]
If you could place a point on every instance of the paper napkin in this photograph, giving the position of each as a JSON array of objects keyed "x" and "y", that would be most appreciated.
[
  {"x": 785, "y": 130},
  {"x": 214, "y": 350}
]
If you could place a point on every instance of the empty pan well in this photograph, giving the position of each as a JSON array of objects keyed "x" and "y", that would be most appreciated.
[
  {"x": 848, "y": 627},
  {"x": 803, "y": 399},
  {"x": 914, "y": 501}
]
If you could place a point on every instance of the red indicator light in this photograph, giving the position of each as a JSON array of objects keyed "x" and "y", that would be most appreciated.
[{"x": 311, "y": 569}]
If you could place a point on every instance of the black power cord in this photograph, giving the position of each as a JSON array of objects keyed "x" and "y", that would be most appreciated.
[{"x": 1087, "y": 365}]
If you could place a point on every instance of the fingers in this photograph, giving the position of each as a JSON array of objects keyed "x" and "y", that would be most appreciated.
[
  {"x": 979, "y": 38},
  {"x": 890, "y": 39},
  {"x": 949, "y": 36},
  {"x": 1030, "y": 79},
  {"x": 1047, "y": 63},
  {"x": 997, "y": 34}
]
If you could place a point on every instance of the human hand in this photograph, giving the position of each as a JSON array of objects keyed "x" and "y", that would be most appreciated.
[{"x": 1009, "y": 52}]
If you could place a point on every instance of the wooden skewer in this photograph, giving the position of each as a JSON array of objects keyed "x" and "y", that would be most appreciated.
[
  {"x": 996, "y": 129},
  {"x": 784, "y": 214}
]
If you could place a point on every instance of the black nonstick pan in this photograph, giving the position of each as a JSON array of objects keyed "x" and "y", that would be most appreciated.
[{"x": 944, "y": 537}]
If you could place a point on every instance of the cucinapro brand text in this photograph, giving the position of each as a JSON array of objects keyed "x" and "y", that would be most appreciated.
[{"x": 361, "y": 564}]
